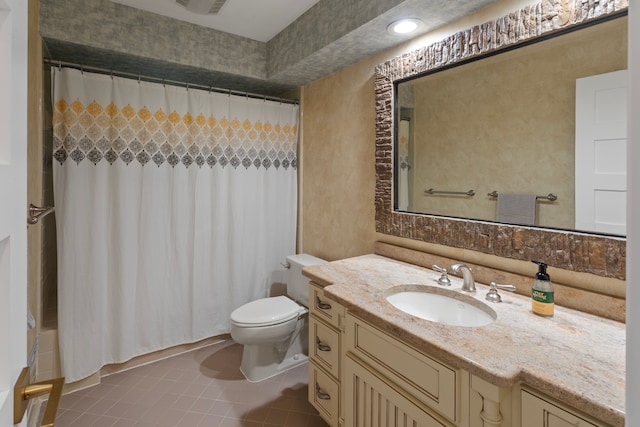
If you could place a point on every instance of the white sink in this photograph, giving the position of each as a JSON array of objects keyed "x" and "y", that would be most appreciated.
[{"x": 441, "y": 306}]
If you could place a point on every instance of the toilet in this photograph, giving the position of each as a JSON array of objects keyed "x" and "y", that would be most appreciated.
[{"x": 274, "y": 330}]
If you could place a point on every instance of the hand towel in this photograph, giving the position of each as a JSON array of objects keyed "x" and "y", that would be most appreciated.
[{"x": 516, "y": 208}]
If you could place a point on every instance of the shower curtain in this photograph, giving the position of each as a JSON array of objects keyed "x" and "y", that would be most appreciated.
[{"x": 174, "y": 206}]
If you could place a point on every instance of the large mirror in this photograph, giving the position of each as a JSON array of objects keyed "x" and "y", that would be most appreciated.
[
  {"x": 484, "y": 164},
  {"x": 498, "y": 138}
]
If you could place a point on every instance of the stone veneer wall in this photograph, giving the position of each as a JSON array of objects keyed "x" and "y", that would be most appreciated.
[{"x": 581, "y": 252}]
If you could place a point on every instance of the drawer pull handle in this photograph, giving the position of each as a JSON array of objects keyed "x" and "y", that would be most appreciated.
[
  {"x": 322, "y": 305},
  {"x": 322, "y": 346},
  {"x": 321, "y": 394}
]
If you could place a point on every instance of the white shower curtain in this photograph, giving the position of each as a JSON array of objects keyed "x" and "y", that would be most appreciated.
[{"x": 174, "y": 206}]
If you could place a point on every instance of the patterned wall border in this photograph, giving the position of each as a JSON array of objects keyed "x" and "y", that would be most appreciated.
[{"x": 599, "y": 255}]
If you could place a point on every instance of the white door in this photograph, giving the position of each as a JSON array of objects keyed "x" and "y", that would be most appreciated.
[
  {"x": 13, "y": 201},
  {"x": 601, "y": 153}
]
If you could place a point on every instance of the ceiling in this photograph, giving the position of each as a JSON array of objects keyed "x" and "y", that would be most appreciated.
[
  {"x": 259, "y": 46},
  {"x": 257, "y": 20}
]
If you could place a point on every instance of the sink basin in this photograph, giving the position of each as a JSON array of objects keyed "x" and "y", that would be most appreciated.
[{"x": 441, "y": 306}]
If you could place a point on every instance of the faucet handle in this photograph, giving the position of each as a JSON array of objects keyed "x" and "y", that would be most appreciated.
[
  {"x": 444, "y": 279},
  {"x": 493, "y": 295}
]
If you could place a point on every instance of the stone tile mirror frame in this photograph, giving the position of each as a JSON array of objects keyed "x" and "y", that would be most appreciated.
[{"x": 582, "y": 252}]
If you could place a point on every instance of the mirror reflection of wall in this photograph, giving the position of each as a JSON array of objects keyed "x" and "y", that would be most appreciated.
[{"x": 504, "y": 123}]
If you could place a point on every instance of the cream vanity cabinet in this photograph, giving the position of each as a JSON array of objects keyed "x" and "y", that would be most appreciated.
[
  {"x": 363, "y": 376},
  {"x": 326, "y": 326},
  {"x": 390, "y": 383}
]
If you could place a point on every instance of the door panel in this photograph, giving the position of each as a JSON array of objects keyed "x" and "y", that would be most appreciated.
[
  {"x": 13, "y": 204},
  {"x": 601, "y": 147}
]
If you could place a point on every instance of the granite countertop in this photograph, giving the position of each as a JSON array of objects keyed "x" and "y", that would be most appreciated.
[{"x": 574, "y": 357}]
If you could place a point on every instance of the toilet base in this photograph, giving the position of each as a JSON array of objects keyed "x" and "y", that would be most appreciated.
[
  {"x": 262, "y": 361},
  {"x": 255, "y": 373}
]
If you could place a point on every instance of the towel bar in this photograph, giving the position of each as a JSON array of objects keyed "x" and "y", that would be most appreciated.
[
  {"x": 551, "y": 197},
  {"x": 469, "y": 193}
]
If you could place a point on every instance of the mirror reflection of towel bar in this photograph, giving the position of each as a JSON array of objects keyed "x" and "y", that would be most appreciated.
[
  {"x": 469, "y": 193},
  {"x": 551, "y": 197}
]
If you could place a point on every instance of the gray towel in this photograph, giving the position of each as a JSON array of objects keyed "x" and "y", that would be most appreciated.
[{"x": 516, "y": 208}]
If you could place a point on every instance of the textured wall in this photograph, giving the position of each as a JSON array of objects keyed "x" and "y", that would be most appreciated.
[
  {"x": 337, "y": 176},
  {"x": 114, "y": 27},
  {"x": 335, "y": 34},
  {"x": 319, "y": 27}
]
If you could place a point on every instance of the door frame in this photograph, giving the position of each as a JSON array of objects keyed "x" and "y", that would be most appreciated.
[{"x": 13, "y": 193}]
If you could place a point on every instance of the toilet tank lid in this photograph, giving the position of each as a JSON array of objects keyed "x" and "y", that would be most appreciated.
[
  {"x": 305, "y": 260},
  {"x": 266, "y": 311}
]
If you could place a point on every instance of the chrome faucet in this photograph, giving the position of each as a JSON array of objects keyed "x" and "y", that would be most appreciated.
[{"x": 468, "y": 284}]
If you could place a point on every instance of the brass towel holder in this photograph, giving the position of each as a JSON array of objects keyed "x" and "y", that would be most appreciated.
[{"x": 23, "y": 392}]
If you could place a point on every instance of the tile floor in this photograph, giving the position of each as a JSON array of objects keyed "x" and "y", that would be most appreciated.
[{"x": 201, "y": 388}]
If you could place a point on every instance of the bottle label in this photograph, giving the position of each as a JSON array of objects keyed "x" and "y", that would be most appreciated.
[{"x": 542, "y": 302}]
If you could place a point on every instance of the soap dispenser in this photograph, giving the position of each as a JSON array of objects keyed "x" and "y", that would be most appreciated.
[{"x": 542, "y": 292}]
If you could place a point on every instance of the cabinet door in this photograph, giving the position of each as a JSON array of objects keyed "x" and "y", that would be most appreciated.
[
  {"x": 538, "y": 412},
  {"x": 372, "y": 400}
]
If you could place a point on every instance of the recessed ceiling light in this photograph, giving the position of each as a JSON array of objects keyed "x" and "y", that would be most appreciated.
[
  {"x": 405, "y": 26},
  {"x": 202, "y": 7}
]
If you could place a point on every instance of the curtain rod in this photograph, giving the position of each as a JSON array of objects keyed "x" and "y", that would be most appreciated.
[{"x": 125, "y": 74}]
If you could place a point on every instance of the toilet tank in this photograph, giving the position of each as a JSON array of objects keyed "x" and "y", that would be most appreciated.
[{"x": 297, "y": 284}]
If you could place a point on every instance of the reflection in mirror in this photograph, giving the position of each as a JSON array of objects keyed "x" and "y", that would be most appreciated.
[{"x": 513, "y": 128}]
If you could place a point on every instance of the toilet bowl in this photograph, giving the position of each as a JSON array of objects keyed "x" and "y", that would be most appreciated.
[{"x": 274, "y": 330}]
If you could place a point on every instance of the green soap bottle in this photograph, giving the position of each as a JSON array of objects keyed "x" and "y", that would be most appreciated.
[{"x": 542, "y": 300}]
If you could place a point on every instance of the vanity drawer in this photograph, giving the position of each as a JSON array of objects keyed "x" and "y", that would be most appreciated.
[
  {"x": 327, "y": 310},
  {"x": 324, "y": 346},
  {"x": 324, "y": 394},
  {"x": 432, "y": 382},
  {"x": 541, "y": 411}
]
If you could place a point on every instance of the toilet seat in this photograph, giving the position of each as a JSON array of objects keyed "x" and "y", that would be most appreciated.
[{"x": 266, "y": 312}]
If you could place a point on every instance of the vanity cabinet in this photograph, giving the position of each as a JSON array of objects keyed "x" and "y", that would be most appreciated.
[
  {"x": 361, "y": 375},
  {"x": 430, "y": 383},
  {"x": 389, "y": 383},
  {"x": 326, "y": 326}
]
